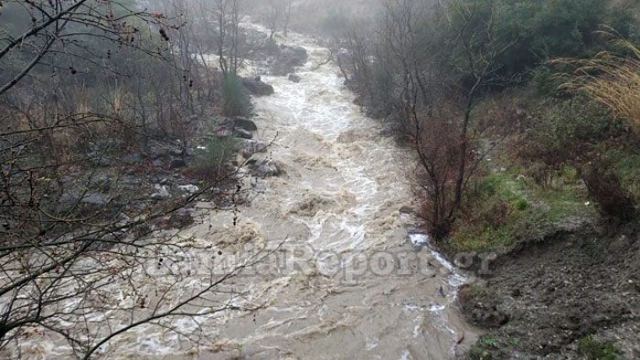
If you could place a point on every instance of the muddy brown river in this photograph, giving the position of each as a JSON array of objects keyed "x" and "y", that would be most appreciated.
[{"x": 346, "y": 281}]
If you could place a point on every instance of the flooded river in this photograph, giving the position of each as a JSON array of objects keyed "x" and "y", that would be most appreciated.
[{"x": 353, "y": 283}]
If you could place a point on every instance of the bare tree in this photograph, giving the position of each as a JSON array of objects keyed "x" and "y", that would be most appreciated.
[
  {"x": 428, "y": 81},
  {"x": 227, "y": 14},
  {"x": 82, "y": 83}
]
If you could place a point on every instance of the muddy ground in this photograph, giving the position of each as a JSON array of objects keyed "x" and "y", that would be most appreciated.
[{"x": 572, "y": 296}]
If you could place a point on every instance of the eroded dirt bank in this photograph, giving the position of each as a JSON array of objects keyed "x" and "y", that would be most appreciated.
[{"x": 571, "y": 296}]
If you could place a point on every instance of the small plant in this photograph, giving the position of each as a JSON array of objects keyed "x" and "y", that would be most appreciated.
[
  {"x": 211, "y": 162},
  {"x": 236, "y": 99},
  {"x": 593, "y": 349},
  {"x": 521, "y": 204}
]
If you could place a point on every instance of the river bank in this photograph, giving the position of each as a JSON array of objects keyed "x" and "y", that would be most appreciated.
[{"x": 573, "y": 295}]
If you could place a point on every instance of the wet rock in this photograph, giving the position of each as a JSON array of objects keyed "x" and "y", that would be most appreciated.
[
  {"x": 162, "y": 192},
  {"x": 180, "y": 219},
  {"x": 407, "y": 210},
  {"x": 189, "y": 189},
  {"x": 178, "y": 163},
  {"x": 74, "y": 198},
  {"x": 158, "y": 149},
  {"x": 257, "y": 87},
  {"x": 96, "y": 199},
  {"x": 287, "y": 59},
  {"x": 243, "y": 134},
  {"x": 294, "y": 78},
  {"x": 266, "y": 168},
  {"x": 245, "y": 124},
  {"x": 132, "y": 159},
  {"x": 250, "y": 147}
]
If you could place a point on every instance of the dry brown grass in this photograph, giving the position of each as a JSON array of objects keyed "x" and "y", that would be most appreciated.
[{"x": 611, "y": 79}]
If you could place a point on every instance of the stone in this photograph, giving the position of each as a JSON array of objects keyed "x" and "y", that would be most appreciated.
[
  {"x": 245, "y": 124},
  {"x": 178, "y": 163},
  {"x": 294, "y": 78},
  {"x": 190, "y": 189},
  {"x": 287, "y": 58},
  {"x": 250, "y": 147},
  {"x": 132, "y": 159},
  {"x": 267, "y": 168},
  {"x": 243, "y": 134},
  {"x": 407, "y": 210},
  {"x": 161, "y": 193},
  {"x": 96, "y": 199},
  {"x": 181, "y": 219},
  {"x": 257, "y": 87}
]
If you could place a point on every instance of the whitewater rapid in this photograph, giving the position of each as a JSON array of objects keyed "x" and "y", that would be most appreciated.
[
  {"x": 354, "y": 283},
  {"x": 368, "y": 292}
]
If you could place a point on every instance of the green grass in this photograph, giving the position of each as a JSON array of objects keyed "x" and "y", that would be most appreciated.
[
  {"x": 482, "y": 349},
  {"x": 593, "y": 349},
  {"x": 505, "y": 207}
]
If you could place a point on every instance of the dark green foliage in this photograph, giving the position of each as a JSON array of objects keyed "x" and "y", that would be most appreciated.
[
  {"x": 236, "y": 100},
  {"x": 593, "y": 349},
  {"x": 605, "y": 188},
  {"x": 537, "y": 31},
  {"x": 565, "y": 131},
  {"x": 576, "y": 133},
  {"x": 211, "y": 163}
]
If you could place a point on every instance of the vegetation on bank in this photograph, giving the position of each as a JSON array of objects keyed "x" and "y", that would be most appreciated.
[
  {"x": 102, "y": 105},
  {"x": 523, "y": 114},
  {"x": 524, "y": 117}
]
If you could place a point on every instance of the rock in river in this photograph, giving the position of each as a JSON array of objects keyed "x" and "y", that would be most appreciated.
[
  {"x": 257, "y": 87},
  {"x": 245, "y": 124},
  {"x": 294, "y": 78}
]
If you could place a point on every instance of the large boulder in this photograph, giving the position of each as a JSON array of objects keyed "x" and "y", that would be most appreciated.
[
  {"x": 244, "y": 124},
  {"x": 250, "y": 147},
  {"x": 294, "y": 78},
  {"x": 164, "y": 149},
  {"x": 96, "y": 199},
  {"x": 180, "y": 219},
  {"x": 177, "y": 164},
  {"x": 287, "y": 59},
  {"x": 161, "y": 193},
  {"x": 242, "y": 134},
  {"x": 267, "y": 168},
  {"x": 257, "y": 87}
]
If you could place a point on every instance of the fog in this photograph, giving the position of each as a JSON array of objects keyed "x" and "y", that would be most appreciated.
[{"x": 319, "y": 179}]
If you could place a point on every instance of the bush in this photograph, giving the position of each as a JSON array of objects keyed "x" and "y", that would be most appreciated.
[
  {"x": 543, "y": 30},
  {"x": 236, "y": 100},
  {"x": 593, "y": 349},
  {"x": 211, "y": 163},
  {"x": 605, "y": 188},
  {"x": 611, "y": 79},
  {"x": 561, "y": 132}
]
